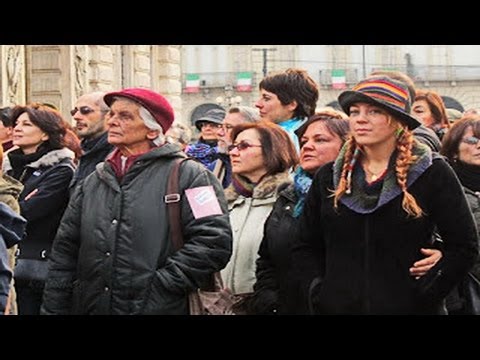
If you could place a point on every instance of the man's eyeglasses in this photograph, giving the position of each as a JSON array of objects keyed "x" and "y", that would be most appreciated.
[
  {"x": 242, "y": 145},
  {"x": 84, "y": 110},
  {"x": 471, "y": 140}
]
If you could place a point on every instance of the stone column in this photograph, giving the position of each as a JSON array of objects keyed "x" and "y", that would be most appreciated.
[
  {"x": 166, "y": 75},
  {"x": 12, "y": 75}
]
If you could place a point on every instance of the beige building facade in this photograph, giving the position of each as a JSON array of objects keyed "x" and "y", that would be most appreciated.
[
  {"x": 59, "y": 74},
  {"x": 451, "y": 70}
]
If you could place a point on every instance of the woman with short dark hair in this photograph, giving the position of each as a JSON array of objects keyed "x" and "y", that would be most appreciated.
[{"x": 288, "y": 98}]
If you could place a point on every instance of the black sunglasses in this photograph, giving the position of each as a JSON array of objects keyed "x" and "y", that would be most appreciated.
[
  {"x": 84, "y": 110},
  {"x": 242, "y": 145}
]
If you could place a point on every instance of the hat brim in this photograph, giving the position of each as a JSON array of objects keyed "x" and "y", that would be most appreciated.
[
  {"x": 207, "y": 119},
  {"x": 347, "y": 98}
]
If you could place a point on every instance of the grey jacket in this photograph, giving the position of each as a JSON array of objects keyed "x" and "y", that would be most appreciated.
[{"x": 113, "y": 253}]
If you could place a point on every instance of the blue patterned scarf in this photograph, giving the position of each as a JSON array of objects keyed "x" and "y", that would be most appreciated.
[{"x": 302, "y": 182}]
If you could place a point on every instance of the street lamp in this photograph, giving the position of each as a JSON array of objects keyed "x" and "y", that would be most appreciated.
[{"x": 229, "y": 100}]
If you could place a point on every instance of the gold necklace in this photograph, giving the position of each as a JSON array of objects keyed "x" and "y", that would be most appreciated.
[{"x": 373, "y": 176}]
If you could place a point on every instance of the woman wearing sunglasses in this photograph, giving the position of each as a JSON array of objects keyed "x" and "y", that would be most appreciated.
[
  {"x": 461, "y": 146},
  {"x": 261, "y": 156}
]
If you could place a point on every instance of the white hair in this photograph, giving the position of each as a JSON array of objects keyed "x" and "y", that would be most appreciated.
[{"x": 152, "y": 124}]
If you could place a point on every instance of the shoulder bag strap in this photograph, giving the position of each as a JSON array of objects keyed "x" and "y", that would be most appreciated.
[{"x": 172, "y": 199}]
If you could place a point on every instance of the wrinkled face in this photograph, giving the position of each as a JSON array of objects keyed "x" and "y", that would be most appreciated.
[
  {"x": 224, "y": 132},
  {"x": 5, "y": 132},
  {"x": 127, "y": 130},
  {"x": 272, "y": 109},
  {"x": 248, "y": 161},
  {"x": 469, "y": 148},
  {"x": 318, "y": 147},
  {"x": 371, "y": 125},
  {"x": 89, "y": 118},
  {"x": 422, "y": 111},
  {"x": 26, "y": 135}
]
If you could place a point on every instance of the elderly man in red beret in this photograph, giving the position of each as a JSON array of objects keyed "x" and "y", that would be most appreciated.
[{"x": 113, "y": 253}]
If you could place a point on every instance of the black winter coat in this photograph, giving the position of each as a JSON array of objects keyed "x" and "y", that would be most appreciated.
[
  {"x": 43, "y": 200},
  {"x": 274, "y": 290},
  {"x": 94, "y": 151},
  {"x": 361, "y": 261},
  {"x": 113, "y": 253}
]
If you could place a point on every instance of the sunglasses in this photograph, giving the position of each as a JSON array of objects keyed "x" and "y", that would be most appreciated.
[
  {"x": 242, "y": 145},
  {"x": 471, "y": 140},
  {"x": 210, "y": 124},
  {"x": 84, "y": 110}
]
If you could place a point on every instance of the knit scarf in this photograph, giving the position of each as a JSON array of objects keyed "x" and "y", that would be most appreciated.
[
  {"x": 19, "y": 160},
  {"x": 302, "y": 182},
  {"x": 242, "y": 185},
  {"x": 204, "y": 153},
  {"x": 366, "y": 198},
  {"x": 468, "y": 174}
]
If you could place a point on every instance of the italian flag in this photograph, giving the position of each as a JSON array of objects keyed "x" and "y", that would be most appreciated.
[
  {"x": 244, "y": 81},
  {"x": 338, "y": 79},
  {"x": 192, "y": 83}
]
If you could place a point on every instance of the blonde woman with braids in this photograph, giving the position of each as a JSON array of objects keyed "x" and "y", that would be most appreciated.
[{"x": 369, "y": 215}]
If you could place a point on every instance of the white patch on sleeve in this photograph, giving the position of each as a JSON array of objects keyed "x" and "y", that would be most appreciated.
[{"x": 203, "y": 201}]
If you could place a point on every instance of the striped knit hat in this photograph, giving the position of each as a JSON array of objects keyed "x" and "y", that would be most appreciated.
[{"x": 385, "y": 92}]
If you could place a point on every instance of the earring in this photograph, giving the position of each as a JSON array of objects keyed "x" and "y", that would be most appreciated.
[{"x": 399, "y": 132}]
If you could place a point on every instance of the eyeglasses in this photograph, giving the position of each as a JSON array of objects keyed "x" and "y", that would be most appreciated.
[
  {"x": 210, "y": 124},
  {"x": 84, "y": 110},
  {"x": 471, "y": 140},
  {"x": 242, "y": 145}
]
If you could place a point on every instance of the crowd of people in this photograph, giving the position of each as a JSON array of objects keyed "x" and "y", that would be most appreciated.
[{"x": 368, "y": 208}]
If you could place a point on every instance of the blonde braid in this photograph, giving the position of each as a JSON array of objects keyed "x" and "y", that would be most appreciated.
[
  {"x": 405, "y": 158},
  {"x": 343, "y": 184}
]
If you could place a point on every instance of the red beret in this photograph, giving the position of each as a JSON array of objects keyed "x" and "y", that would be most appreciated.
[{"x": 155, "y": 103}]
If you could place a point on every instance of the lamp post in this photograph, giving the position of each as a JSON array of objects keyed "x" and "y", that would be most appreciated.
[
  {"x": 364, "y": 66},
  {"x": 229, "y": 100},
  {"x": 264, "y": 53}
]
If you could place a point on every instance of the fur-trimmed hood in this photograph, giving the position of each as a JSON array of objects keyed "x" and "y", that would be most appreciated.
[
  {"x": 269, "y": 186},
  {"x": 49, "y": 159}
]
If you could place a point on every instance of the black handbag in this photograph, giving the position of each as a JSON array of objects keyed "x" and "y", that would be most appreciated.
[{"x": 470, "y": 288}]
